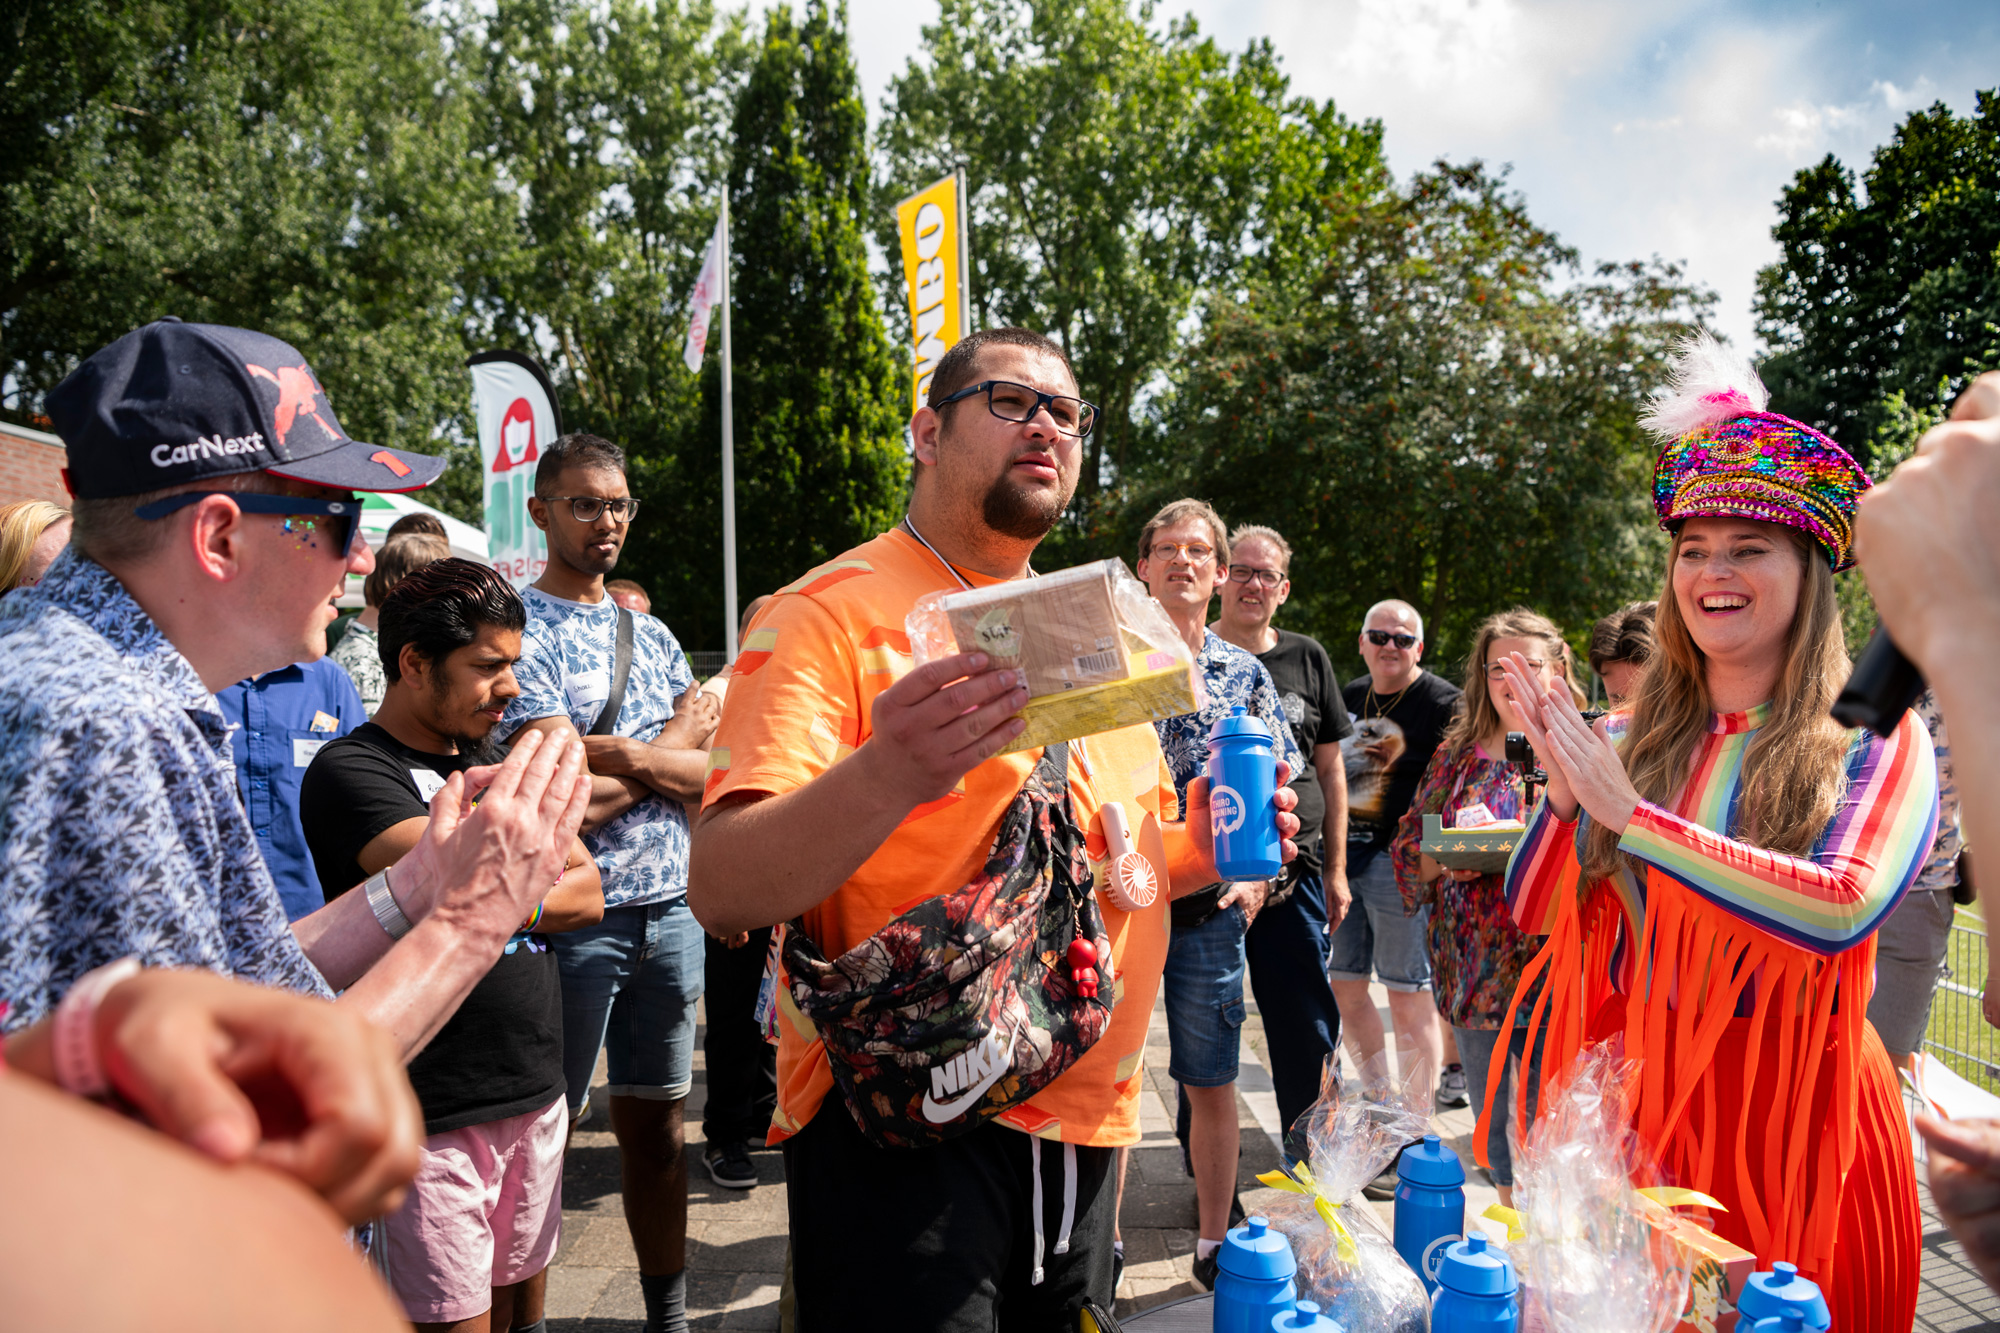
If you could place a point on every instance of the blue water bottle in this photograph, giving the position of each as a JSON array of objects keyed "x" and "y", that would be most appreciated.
[
  {"x": 1791, "y": 1319},
  {"x": 1476, "y": 1290},
  {"x": 1242, "y": 799},
  {"x": 1304, "y": 1317},
  {"x": 1430, "y": 1206},
  {"x": 1766, "y": 1296},
  {"x": 1253, "y": 1278}
]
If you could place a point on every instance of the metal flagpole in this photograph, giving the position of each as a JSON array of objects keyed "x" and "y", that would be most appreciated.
[{"x": 728, "y": 459}]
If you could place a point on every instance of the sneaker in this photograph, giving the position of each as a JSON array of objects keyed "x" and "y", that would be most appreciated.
[
  {"x": 729, "y": 1165},
  {"x": 1205, "y": 1270},
  {"x": 1383, "y": 1187},
  {"x": 1451, "y": 1087}
]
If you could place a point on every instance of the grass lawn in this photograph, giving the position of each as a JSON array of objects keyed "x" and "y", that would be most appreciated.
[{"x": 1958, "y": 1034}]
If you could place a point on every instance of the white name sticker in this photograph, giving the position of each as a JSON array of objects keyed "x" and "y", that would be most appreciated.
[
  {"x": 303, "y": 752},
  {"x": 429, "y": 784}
]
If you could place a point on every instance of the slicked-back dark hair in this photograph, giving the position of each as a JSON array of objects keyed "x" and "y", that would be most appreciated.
[
  {"x": 441, "y": 607},
  {"x": 956, "y": 367},
  {"x": 577, "y": 449}
]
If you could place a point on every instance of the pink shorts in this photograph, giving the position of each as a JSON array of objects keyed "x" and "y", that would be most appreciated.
[{"x": 485, "y": 1211}]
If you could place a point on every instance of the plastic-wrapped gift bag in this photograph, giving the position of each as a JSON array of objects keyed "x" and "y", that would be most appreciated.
[{"x": 1347, "y": 1259}]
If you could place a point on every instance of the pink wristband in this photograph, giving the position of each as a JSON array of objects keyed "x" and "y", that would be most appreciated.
[{"x": 79, "y": 1064}]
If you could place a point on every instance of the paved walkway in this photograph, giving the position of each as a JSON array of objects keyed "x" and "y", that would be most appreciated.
[{"x": 736, "y": 1238}]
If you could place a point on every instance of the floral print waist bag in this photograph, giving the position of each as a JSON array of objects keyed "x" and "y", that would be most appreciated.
[{"x": 973, "y": 1001}]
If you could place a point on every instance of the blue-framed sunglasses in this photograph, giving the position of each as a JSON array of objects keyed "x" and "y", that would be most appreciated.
[{"x": 346, "y": 514}]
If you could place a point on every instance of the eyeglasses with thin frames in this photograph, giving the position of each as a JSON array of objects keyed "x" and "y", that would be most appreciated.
[
  {"x": 587, "y": 508},
  {"x": 1195, "y": 553},
  {"x": 1382, "y": 638},
  {"x": 1269, "y": 578},
  {"x": 1494, "y": 671}
]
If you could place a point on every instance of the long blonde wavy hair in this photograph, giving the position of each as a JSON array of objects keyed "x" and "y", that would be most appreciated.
[
  {"x": 1795, "y": 771},
  {"x": 1478, "y": 716}
]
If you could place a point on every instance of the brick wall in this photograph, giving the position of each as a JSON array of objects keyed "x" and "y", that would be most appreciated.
[{"x": 31, "y": 465}]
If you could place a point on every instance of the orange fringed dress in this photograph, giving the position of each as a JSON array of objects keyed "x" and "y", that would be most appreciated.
[{"x": 1740, "y": 980}]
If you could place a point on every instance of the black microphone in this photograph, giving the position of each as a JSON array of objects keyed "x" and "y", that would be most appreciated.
[{"x": 1884, "y": 685}]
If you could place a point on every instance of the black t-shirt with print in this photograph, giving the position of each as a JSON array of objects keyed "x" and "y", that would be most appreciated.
[
  {"x": 1310, "y": 692},
  {"x": 500, "y": 1055},
  {"x": 1393, "y": 741}
]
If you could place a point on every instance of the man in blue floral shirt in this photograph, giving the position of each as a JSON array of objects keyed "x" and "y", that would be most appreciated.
[
  {"x": 1184, "y": 558},
  {"x": 631, "y": 982},
  {"x": 215, "y": 521}
]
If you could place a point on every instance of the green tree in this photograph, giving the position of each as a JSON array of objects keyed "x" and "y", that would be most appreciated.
[
  {"x": 1444, "y": 410},
  {"x": 820, "y": 459},
  {"x": 303, "y": 167},
  {"x": 611, "y": 124},
  {"x": 1120, "y": 173},
  {"x": 1897, "y": 293}
]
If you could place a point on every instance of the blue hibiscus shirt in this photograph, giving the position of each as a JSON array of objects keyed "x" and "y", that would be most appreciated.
[
  {"x": 1234, "y": 679},
  {"x": 121, "y": 829},
  {"x": 565, "y": 671}
]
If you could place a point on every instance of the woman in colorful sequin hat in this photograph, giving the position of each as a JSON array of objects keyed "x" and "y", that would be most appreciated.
[{"x": 1711, "y": 867}]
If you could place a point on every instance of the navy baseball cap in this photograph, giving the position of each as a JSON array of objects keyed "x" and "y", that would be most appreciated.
[{"x": 172, "y": 403}]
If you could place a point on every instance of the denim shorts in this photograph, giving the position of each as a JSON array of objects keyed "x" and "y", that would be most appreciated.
[
  {"x": 630, "y": 984},
  {"x": 1204, "y": 989},
  {"x": 1377, "y": 938}
]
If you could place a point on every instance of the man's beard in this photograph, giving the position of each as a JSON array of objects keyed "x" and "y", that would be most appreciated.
[
  {"x": 1014, "y": 511},
  {"x": 452, "y": 722},
  {"x": 583, "y": 562}
]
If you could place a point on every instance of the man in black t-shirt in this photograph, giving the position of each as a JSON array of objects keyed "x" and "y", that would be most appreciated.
[
  {"x": 1400, "y": 714},
  {"x": 480, "y": 1224},
  {"x": 1287, "y": 944}
]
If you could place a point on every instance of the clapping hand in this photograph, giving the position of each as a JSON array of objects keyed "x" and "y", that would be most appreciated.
[{"x": 1582, "y": 766}]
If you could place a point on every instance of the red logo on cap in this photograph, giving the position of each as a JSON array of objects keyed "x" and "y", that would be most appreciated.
[
  {"x": 390, "y": 461},
  {"x": 298, "y": 394},
  {"x": 517, "y": 438}
]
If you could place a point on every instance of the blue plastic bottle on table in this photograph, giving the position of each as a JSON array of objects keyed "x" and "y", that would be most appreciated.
[
  {"x": 1304, "y": 1317},
  {"x": 1430, "y": 1206},
  {"x": 1766, "y": 1295},
  {"x": 1242, "y": 799},
  {"x": 1477, "y": 1291},
  {"x": 1253, "y": 1278}
]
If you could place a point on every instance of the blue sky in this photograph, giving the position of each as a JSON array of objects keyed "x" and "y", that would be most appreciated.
[{"x": 1633, "y": 129}]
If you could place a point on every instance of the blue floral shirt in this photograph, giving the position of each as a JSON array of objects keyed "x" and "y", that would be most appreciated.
[
  {"x": 565, "y": 671},
  {"x": 121, "y": 830},
  {"x": 1234, "y": 679}
]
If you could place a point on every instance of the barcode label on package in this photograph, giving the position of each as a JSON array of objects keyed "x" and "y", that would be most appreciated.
[{"x": 1092, "y": 664}]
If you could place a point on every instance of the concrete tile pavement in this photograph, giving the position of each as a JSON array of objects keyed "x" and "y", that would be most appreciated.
[{"x": 737, "y": 1238}]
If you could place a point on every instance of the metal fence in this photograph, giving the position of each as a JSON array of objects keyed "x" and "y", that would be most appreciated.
[
  {"x": 1959, "y": 1034},
  {"x": 706, "y": 664}
]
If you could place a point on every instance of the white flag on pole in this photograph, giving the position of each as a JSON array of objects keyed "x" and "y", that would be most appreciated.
[{"x": 701, "y": 305}]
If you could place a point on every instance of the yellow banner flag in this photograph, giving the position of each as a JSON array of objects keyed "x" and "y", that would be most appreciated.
[{"x": 931, "y": 224}]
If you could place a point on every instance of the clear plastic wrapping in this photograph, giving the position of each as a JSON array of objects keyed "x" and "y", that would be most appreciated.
[
  {"x": 1594, "y": 1254},
  {"x": 1098, "y": 652},
  {"x": 1347, "y": 1259}
]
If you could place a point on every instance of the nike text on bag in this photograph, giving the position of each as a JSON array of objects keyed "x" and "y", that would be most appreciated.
[{"x": 965, "y": 1005}]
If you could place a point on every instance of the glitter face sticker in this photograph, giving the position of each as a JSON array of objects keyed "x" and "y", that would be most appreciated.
[{"x": 304, "y": 530}]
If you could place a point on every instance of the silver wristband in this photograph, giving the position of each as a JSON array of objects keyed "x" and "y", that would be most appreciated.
[{"x": 383, "y": 904}]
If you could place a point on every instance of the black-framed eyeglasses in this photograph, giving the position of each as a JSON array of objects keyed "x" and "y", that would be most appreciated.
[
  {"x": 344, "y": 516},
  {"x": 1382, "y": 638},
  {"x": 587, "y": 508},
  {"x": 1495, "y": 671},
  {"x": 1269, "y": 578},
  {"x": 1020, "y": 402}
]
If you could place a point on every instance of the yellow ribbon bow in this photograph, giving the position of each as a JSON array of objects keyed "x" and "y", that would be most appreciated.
[
  {"x": 1663, "y": 1199},
  {"x": 1301, "y": 1181}
]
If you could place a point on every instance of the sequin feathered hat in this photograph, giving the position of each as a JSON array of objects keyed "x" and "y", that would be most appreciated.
[{"x": 1725, "y": 455}]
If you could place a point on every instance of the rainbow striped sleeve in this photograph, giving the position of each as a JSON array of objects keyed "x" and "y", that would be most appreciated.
[
  {"x": 1860, "y": 869},
  {"x": 1536, "y": 866}
]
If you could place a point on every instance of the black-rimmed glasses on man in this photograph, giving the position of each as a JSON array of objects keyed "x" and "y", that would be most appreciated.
[
  {"x": 587, "y": 508},
  {"x": 1382, "y": 638},
  {"x": 1019, "y": 402},
  {"x": 1269, "y": 578}
]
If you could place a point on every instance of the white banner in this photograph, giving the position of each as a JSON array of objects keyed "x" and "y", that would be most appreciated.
[
  {"x": 516, "y": 414},
  {"x": 701, "y": 305}
]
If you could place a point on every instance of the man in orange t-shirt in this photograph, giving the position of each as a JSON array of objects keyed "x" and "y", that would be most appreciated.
[{"x": 845, "y": 787}]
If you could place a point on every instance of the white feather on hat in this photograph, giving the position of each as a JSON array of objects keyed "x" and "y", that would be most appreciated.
[{"x": 1711, "y": 384}]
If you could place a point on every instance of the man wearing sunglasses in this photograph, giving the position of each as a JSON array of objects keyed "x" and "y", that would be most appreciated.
[
  {"x": 1400, "y": 712},
  {"x": 215, "y": 522}
]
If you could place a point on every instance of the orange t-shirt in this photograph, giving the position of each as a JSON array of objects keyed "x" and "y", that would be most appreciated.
[{"x": 799, "y": 701}]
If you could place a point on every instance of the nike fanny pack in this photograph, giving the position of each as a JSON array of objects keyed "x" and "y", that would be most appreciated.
[{"x": 973, "y": 1001}]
